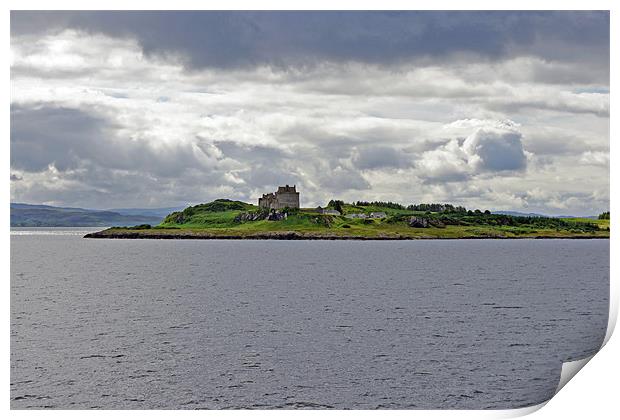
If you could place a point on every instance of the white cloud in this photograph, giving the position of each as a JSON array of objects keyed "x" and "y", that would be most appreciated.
[
  {"x": 447, "y": 163},
  {"x": 492, "y": 147},
  {"x": 595, "y": 158}
]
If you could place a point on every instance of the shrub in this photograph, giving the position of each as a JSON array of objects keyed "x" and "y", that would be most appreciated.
[
  {"x": 336, "y": 205},
  {"x": 386, "y": 204},
  {"x": 604, "y": 216},
  {"x": 141, "y": 227}
]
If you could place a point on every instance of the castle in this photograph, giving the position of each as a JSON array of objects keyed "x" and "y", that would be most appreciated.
[{"x": 284, "y": 197}]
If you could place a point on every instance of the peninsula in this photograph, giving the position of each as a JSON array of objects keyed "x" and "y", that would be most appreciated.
[{"x": 278, "y": 216}]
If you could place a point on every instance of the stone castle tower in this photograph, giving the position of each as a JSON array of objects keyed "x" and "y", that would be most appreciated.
[{"x": 284, "y": 197}]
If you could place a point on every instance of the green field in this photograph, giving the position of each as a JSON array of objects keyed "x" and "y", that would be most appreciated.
[
  {"x": 603, "y": 224},
  {"x": 232, "y": 219}
]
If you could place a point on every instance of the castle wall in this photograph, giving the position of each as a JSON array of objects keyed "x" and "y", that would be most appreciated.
[
  {"x": 288, "y": 199},
  {"x": 284, "y": 197}
]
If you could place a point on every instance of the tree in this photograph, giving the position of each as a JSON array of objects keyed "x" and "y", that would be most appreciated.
[
  {"x": 336, "y": 205},
  {"x": 436, "y": 207}
]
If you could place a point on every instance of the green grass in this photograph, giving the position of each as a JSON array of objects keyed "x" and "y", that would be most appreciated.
[
  {"x": 602, "y": 224},
  {"x": 219, "y": 213},
  {"x": 221, "y": 219}
]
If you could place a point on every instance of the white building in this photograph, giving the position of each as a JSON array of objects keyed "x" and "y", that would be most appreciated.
[
  {"x": 356, "y": 216},
  {"x": 328, "y": 211}
]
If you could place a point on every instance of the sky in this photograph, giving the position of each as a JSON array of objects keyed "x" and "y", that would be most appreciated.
[{"x": 490, "y": 110}]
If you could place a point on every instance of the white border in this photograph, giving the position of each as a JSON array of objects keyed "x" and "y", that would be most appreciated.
[{"x": 592, "y": 394}]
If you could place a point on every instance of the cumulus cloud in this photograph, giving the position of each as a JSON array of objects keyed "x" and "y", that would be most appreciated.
[
  {"x": 495, "y": 150},
  {"x": 492, "y": 149},
  {"x": 469, "y": 123},
  {"x": 447, "y": 163}
]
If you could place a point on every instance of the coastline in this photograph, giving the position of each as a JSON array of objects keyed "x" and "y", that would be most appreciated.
[{"x": 294, "y": 235}]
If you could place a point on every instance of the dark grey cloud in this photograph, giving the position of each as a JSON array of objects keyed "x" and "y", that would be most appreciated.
[
  {"x": 379, "y": 157},
  {"x": 440, "y": 178},
  {"x": 65, "y": 138},
  {"x": 548, "y": 142},
  {"x": 93, "y": 162},
  {"x": 341, "y": 179},
  {"x": 254, "y": 153},
  {"x": 269, "y": 177},
  {"x": 261, "y": 166},
  {"x": 95, "y": 186},
  {"x": 280, "y": 38},
  {"x": 51, "y": 136},
  {"x": 599, "y": 108}
]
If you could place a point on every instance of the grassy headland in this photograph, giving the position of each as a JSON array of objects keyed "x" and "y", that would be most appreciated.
[{"x": 227, "y": 219}]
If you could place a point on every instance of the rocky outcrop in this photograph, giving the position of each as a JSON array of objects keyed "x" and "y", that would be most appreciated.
[
  {"x": 177, "y": 217},
  {"x": 251, "y": 216},
  {"x": 276, "y": 216},
  {"x": 436, "y": 223},
  {"x": 261, "y": 215},
  {"x": 418, "y": 222},
  {"x": 423, "y": 222}
]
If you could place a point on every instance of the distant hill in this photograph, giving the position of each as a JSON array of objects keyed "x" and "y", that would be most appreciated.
[
  {"x": 521, "y": 214},
  {"x": 518, "y": 213},
  {"x": 37, "y": 215},
  {"x": 155, "y": 212}
]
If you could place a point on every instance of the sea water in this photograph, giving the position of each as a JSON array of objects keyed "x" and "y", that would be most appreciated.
[{"x": 185, "y": 324}]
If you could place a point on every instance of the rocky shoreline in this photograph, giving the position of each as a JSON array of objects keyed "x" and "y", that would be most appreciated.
[{"x": 290, "y": 235}]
